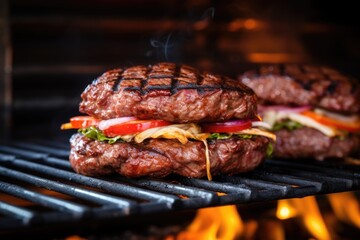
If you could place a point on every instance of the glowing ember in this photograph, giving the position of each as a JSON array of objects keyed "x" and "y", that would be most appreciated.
[
  {"x": 250, "y": 24},
  {"x": 346, "y": 207},
  {"x": 285, "y": 210},
  {"x": 261, "y": 57},
  {"x": 307, "y": 209},
  {"x": 75, "y": 237},
  {"x": 214, "y": 223}
]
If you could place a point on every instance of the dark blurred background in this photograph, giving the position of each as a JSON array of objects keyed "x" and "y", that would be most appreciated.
[{"x": 50, "y": 50}]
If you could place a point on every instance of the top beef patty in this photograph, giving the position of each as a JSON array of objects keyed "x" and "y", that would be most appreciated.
[
  {"x": 175, "y": 93},
  {"x": 293, "y": 84}
]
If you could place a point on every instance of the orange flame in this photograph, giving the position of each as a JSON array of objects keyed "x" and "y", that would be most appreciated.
[
  {"x": 309, "y": 212},
  {"x": 240, "y": 24},
  {"x": 346, "y": 207},
  {"x": 216, "y": 223},
  {"x": 285, "y": 210}
]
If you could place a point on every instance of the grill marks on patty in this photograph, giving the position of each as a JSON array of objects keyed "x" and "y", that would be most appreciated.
[
  {"x": 171, "y": 77},
  {"x": 161, "y": 157},
  {"x": 176, "y": 93},
  {"x": 293, "y": 84}
]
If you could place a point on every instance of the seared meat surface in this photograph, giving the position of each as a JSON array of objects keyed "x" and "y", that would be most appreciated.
[
  {"x": 160, "y": 157},
  {"x": 175, "y": 93},
  {"x": 309, "y": 142},
  {"x": 301, "y": 85}
]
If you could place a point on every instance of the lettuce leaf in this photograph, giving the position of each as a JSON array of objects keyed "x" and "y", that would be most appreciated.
[
  {"x": 96, "y": 134},
  {"x": 287, "y": 124},
  {"x": 245, "y": 136},
  {"x": 269, "y": 150},
  {"x": 229, "y": 135},
  {"x": 220, "y": 136}
]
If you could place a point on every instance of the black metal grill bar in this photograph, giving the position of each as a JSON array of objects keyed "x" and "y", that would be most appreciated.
[
  {"x": 56, "y": 162},
  {"x": 220, "y": 187},
  {"x": 6, "y": 157},
  {"x": 41, "y": 148},
  {"x": 230, "y": 193},
  {"x": 52, "y": 144},
  {"x": 42, "y": 199},
  {"x": 256, "y": 184},
  {"x": 112, "y": 211},
  {"x": 324, "y": 168},
  {"x": 14, "y": 211},
  {"x": 85, "y": 194},
  {"x": 113, "y": 187},
  {"x": 286, "y": 179},
  {"x": 23, "y": 153},
  {"x": 297, "y": 186},
  {"x": 264, "y": 190},
  {"x": 339, "y": 183},
  {"x": 177, "y": 189}
]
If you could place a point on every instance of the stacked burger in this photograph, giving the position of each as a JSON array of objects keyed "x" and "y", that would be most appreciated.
[
  {"x": 314, "y": 111},
  {"x": 167, "y": 119}
]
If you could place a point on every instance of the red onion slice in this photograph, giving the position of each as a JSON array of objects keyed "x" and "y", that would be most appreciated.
[
  {"x": 261, "y": 124},
  {"x": 105, "y": 124}
]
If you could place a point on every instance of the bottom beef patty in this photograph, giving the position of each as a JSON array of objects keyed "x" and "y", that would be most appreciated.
[
  {"x": 308, "y": 142},
  {"x": 160, "y": 157}
]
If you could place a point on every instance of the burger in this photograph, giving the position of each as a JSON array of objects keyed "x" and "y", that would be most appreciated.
[
  {"x": 166, "y": 119},
  {"x": 313, "y": 110}
]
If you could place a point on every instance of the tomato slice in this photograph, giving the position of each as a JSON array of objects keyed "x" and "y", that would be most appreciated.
[
  {"x": 80, "y": 122},
  {"x": 226, "y": 127},
  {"x": 83, "y": 121},
  {"x": 342, "y": 125},
  {"x": 133, "y": 127}
]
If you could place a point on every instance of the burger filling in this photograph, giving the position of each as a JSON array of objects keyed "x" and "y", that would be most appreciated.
[
  {"x": 329, "y": 123},
  {"x": 131, "y": 129}
]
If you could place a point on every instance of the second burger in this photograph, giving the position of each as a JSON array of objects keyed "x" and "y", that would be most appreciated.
[{"x": 313, "y": 110}]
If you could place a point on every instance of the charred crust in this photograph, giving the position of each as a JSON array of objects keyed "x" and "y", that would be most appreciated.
[
  {"x": 175, "y": 93},
  {"x": 179, "y": 77}
]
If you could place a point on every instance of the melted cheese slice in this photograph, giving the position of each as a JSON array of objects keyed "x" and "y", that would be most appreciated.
[
  {"x": 258, "y": 132},
  {"x": 181, "y": 132}
]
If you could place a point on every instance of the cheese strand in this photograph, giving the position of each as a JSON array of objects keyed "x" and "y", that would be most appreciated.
[{"x": 207, "y": 156}]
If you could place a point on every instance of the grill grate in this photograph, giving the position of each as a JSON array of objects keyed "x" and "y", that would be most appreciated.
[{"x": 38, "y": 186}]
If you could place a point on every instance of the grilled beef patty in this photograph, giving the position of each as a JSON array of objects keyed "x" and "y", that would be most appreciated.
[
  {"x": 160, "y": 157},
  {"x": 304, "y": 85},
  {"x": 308, "y": 142},
  {"x": 175, "y": 93}
]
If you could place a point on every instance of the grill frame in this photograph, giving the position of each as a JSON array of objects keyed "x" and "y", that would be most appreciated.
[{"x": 42, "y": 165}]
